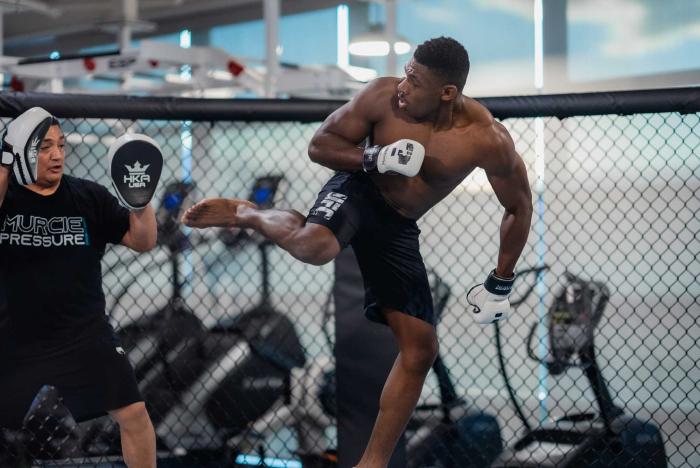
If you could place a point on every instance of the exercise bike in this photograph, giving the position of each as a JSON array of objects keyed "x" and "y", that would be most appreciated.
[
  {"x": 203, "y": 385},
  {"x": 248, "y": 360},
  {"x": 609, "y": 438}
]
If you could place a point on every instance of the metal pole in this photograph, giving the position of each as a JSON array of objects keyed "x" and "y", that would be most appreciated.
[
  {"x": 554, "y": 46},
  {"x": 131, "y": 13},
  {"x": 390, "y": 31},
  {"x": 271, "y": 12},
  {"x": 540, "y": 225}
]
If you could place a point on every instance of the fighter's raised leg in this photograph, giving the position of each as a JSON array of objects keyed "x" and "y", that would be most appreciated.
[{"x": 309, "y": 242}]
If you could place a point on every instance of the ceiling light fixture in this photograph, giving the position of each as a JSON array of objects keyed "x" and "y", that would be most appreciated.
[{"x": 376, "y": 43}]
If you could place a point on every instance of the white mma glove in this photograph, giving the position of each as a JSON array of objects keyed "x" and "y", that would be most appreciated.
[
  {"x": 403, "y": 157},
  {"x": 489, "y": 300},
  {"x": 22, "y": 142}
]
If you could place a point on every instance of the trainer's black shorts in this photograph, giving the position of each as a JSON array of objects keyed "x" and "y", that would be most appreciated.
[
  {"x": 385, "y": 244},
  {"x": 93, "y": 376}
]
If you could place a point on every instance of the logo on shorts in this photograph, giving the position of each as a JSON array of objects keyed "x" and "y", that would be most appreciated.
[
  {"x": 329, "y": 205},
  {"x": 120, "y": 350},
  {"x": 137, "y": 177}
]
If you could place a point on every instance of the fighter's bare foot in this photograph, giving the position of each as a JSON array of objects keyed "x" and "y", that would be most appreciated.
[{"x": 216, "y": 212}]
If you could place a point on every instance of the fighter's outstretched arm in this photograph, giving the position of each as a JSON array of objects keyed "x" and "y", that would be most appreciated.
[
  {"x": 507, "y": 175},
  {"x": 335, "y": 143}
]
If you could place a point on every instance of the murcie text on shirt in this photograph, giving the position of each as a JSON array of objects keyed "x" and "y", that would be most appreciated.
[{"x": 36, "y": 231}]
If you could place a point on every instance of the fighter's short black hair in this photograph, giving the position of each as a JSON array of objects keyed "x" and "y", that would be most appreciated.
[{"x": 446, "y": 57}]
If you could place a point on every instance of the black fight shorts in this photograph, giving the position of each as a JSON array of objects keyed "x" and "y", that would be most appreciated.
[
  {"x": 93, "y": 376},
  {"x": 385, "y": 244}
]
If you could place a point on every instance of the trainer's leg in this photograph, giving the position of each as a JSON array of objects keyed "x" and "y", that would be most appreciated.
[
  {"x": 137, "y": 434},
  {"x": 418, "y": 348},
  {"x": 310, "y": 243}
]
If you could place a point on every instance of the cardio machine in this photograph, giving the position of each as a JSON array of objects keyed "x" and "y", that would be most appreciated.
[
  {"x": 610, "y": 438},
  {"x": 203, "y": 385},
  {"x": 247, "y": 360}
]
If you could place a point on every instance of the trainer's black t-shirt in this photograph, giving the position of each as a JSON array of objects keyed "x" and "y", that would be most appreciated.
[{"x": 50, "y": 264}]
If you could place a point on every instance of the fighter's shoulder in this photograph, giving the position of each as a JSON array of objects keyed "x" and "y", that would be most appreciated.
[
  {"x": 384, "y": 84},
  {"x": 375, "y": 99},
  {"x": 378, "y": 90},
  {"x": 490, "y": 135}
]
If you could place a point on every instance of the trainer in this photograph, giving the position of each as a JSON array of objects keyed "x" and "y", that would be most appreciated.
[
  {"x": 425, "y": 138},
  {"x": 53, "y": 233}
]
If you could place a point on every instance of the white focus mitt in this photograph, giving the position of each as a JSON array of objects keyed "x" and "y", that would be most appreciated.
[
  {"x": 22, "y": 141},
  {"x": 135, "y": 163}
]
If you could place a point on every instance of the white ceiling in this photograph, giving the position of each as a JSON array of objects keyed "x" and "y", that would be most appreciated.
[{"x": 68, "y": 25}]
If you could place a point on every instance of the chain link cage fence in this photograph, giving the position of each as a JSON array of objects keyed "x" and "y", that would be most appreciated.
[{"x": 231, "y": 338}]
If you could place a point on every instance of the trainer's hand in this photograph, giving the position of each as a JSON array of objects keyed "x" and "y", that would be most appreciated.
[
  {"x": 403, "y": 157},
  {"x": 489, "y": 300},
  {"x": 134, "y": 164}
]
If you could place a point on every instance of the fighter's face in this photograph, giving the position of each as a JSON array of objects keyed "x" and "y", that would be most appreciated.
[
  {"x": 51, "y": 157},
  {"x": 420, "y": 90}
]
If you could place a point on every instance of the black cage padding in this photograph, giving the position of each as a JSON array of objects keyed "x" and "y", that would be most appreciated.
[{"x": 683, "y": 100}]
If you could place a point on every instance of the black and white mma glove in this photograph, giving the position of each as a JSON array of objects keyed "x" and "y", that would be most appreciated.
[
  {"x": 403, "y": 157},
  {"x": 489, "y": 300}
]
